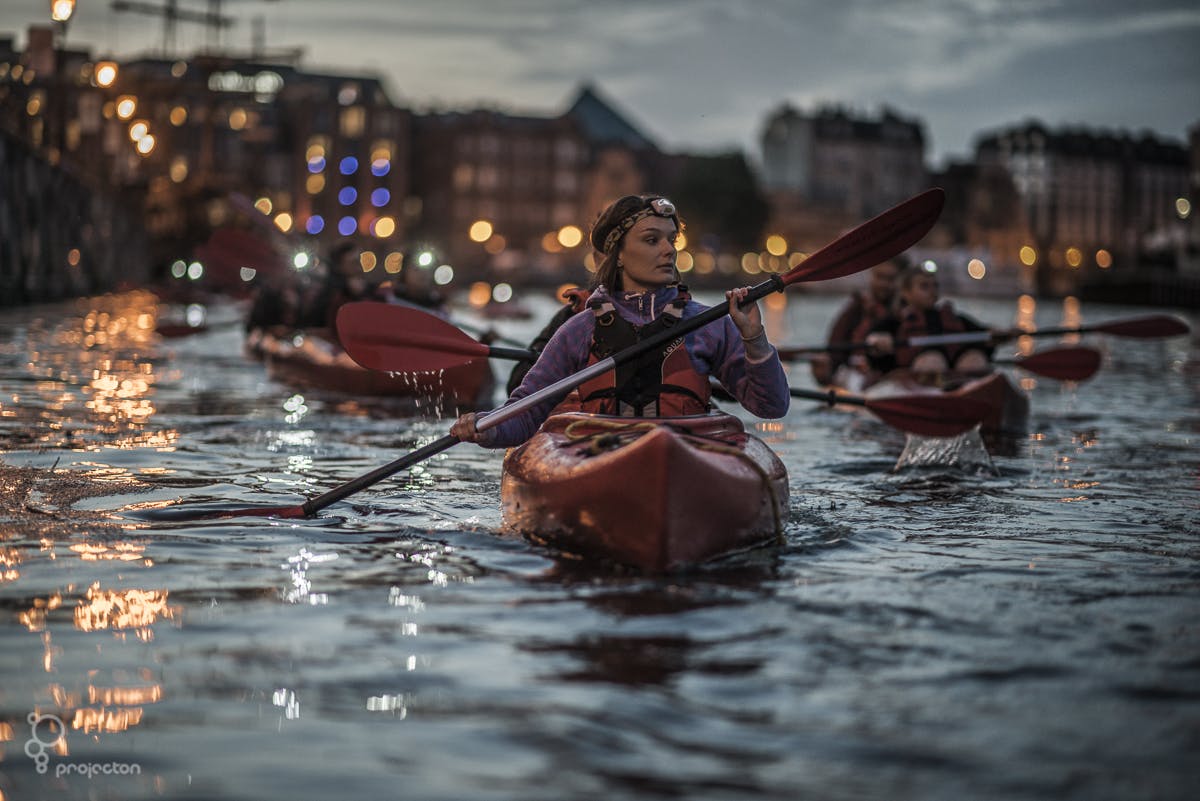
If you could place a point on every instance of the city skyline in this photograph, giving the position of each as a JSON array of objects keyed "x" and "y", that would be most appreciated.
[{"x": 680, "y": 69}]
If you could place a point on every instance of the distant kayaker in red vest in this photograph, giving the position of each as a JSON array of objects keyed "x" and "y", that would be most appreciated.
[
  {"x": 921, "y": 314},
  {"x": 637, "y": 293},
  {"x": 865, "y": 309}
]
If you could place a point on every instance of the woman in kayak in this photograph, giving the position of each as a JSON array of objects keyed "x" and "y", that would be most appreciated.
[
  {"x": 921, "y": 314},
  {"x": 637, "y": 294}
]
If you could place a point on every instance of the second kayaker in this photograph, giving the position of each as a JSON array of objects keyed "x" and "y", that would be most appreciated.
[{"x": 637, "y": 293}]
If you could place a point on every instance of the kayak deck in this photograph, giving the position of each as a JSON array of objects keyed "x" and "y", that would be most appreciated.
[{"x": 656, "y": 494}]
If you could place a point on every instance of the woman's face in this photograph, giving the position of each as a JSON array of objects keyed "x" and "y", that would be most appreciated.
[
  {"x": 921, "y": 293},
  {"x": 648, "y": 254}
]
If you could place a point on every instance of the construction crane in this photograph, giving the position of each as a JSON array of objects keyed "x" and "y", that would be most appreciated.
[{"x": 172, "y": 14}]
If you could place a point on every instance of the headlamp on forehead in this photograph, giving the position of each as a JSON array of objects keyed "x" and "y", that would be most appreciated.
[{"x": 658, "y": 206}]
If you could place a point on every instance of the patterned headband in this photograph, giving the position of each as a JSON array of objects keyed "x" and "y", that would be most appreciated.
[{"x": 659, "y": 206}]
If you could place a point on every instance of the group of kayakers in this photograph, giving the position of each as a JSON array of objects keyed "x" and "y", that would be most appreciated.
[
  {"x": 636, "y": 293},
  {"x": 309, "y": 300},
  {"x": 870, "y": 336}
]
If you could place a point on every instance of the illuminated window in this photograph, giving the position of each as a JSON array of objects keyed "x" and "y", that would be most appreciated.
[{"x": 352, "y": 121}]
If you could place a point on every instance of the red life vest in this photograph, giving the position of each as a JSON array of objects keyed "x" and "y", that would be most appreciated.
[
  {"x": 941, "y": 319},
  {"x": 660, "y": 383},
  {"x": 871, "y": 313}
]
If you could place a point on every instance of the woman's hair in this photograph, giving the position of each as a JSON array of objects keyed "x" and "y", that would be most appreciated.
[
  {"x": 912, "y": 273},
  {"x": 607, "y": 271}
]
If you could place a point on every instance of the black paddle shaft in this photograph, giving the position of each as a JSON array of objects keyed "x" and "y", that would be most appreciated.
[{"x": 556, "y": 390}]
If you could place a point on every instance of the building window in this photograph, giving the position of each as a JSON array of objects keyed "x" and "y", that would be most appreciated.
[
  {"x": 464, "y": 175},
  {"x": 352, "y": 122},
  {"x": 489, "y": 178}
]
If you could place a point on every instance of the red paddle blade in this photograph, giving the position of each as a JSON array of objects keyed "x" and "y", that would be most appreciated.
[
  {"x": 877, "y": 240},
  {"x": 929, "y": 415},
  {"x": 1065, "y": 364},
  {"x": 401, "y": 339},
  {"x": 1151, "y": 326}
]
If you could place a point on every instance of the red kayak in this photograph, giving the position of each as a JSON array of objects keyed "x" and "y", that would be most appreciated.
[
  {"x": 1009, "y": 406},
  {"x": 654, "y": 493},
  {"x": 313, "y": 362}
]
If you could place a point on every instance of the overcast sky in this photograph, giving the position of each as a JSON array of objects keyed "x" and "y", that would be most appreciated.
[{"x": 702, "y": 75}]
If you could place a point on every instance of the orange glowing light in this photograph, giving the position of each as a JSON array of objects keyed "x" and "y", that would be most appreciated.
[
  {"x": 479, "y": 294},
  {"x": 569, "y": 236},
  {"x": 61, "y": 10},
  {"x": 106, "y": 73},
  {"x": 480, "y": 231},
  {"x": 776, "y": 245},
  {"x": 126, "y": 106},
  {"x": 496, "y": 244},
  {"x": 384, "y": 227},
  {"x": 1028, "y": 256},
  {"x": 1103, "y": 259}
]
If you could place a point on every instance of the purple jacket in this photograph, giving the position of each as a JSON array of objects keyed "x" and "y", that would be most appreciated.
[{"x": 715, "y": 350}]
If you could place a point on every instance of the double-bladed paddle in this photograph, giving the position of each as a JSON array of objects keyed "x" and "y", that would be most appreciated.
[
  {"x": 872, "y": 242},
  {"x": 401, "y": 340},
  {"x": 1067, "y": 363},
  {"x": 1150, "y": 326},
  {"x": 933, "y": 415}
]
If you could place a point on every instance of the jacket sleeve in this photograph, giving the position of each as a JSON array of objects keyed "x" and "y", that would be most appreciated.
[
  {"x": 761, "y": 387},
  {"x": 565, "y": 354}
]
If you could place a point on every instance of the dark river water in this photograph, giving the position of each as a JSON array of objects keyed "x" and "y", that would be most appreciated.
[{"x": 1029, "y": 629}]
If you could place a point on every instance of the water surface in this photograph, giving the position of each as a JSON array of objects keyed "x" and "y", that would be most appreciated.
[{"x": 1028, "y": 631}]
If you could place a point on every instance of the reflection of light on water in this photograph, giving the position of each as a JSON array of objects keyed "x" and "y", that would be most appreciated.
[
  {"x": 278, "y": 440},
  {"x": 396, "y": 704},
  {"x": 34, "y": 618},
  {"x": 97, "y": 374},
  {"x": 125, "y": 696},
  {"x": 1026, "y": 307},
  {"x": 438, "y": 578},
  {"x": 301, "y": 590},
  {"x": 1071, "y": 318},
  {"x": 122, "y": 610},
  {"x": 90, "y": 720},
  {"x": 9, "y": 559},
  {"x": 287, "y": 699},
  {"x": 120, "y": 551},
  {"x": 299, "y": 463},
  {"x": 397, "y": 597}
]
